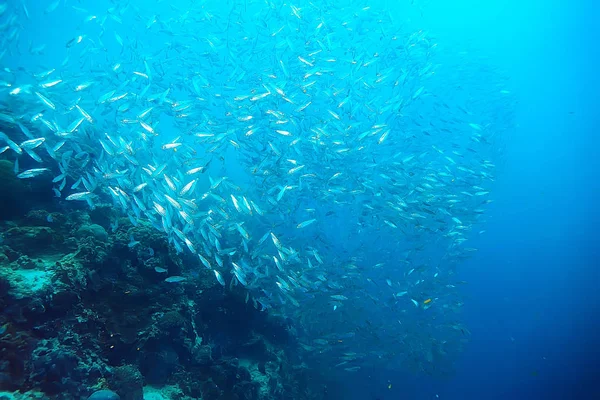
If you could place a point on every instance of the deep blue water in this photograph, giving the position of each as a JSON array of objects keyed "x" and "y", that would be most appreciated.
[
  {"x": 536, "y": 278},
  {"x": 533, "y": 302}
]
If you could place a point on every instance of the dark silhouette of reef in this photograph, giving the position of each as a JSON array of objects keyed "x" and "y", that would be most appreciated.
[{"x": 83, "y": 311}]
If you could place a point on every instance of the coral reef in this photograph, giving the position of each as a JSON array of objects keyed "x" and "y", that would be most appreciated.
[
  {"x": 104, "y": 395},
  {"x": 87, "y": 314}
]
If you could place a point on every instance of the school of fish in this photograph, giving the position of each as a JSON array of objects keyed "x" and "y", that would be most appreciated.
[{"x": 320, "y": 158}]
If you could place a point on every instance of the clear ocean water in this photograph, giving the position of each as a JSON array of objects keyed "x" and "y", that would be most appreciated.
[{"x": 528, "y": 295}]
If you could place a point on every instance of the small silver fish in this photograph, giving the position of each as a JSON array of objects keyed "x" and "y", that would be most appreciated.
[{"x": 175, "y": 279}]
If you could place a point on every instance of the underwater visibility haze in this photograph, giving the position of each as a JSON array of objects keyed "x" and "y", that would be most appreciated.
[{"x": 263, "y": 199}]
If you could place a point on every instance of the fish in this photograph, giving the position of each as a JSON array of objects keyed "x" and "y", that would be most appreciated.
[
  {"x": 132, "y": 242},
  {"x": 339, "y": 297},
  {"x": 32, "y": 173},
  {"x": 306, "y": 223},
  {"x": 174, "y": 279},
  {"x": 319, "y": 157},
  {"x": 219, "y": 277},
  {"x": 78, "y": 196},
  {"x": 204, "y": 261},
  {"x": 52, "y": 6}
]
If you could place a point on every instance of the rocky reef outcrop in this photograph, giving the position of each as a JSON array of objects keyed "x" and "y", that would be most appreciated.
[{"x": 86, "y": 312}]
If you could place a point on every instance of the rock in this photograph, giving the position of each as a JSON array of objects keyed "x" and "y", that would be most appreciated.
[
  {"x": 38, "y": 218},
  {"x": 172, "y": 322},
  {"x": 27, "y": 283},
  {"x": 164, "y": 393},
  {"x": 29, "y": 239},
  {"x": 92, "y": 253},
  {"x": 104, "y": 395},
  {"x": 128, "y": 382},
  {"x": 158, "y": 366},
  {"x": 202, "y": 355},
  {"x": 63, "y": 300},
  {"x": 54, "y": 366},
  {"x": 210, "y": 391},
  {"x": 31, "y": 395},
  {"x": 25, "y": 262},
  {"x": 94, "y": 230}
]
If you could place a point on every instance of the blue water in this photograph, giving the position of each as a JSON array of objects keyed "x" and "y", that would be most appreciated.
[
  {"x": 535, "y": 279},
  {"x": 531, "y": 302},
  {"x": 533, "y": 305}
]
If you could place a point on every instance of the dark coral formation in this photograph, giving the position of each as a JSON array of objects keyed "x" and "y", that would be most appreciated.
[{"x": 84, "y": 309}]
